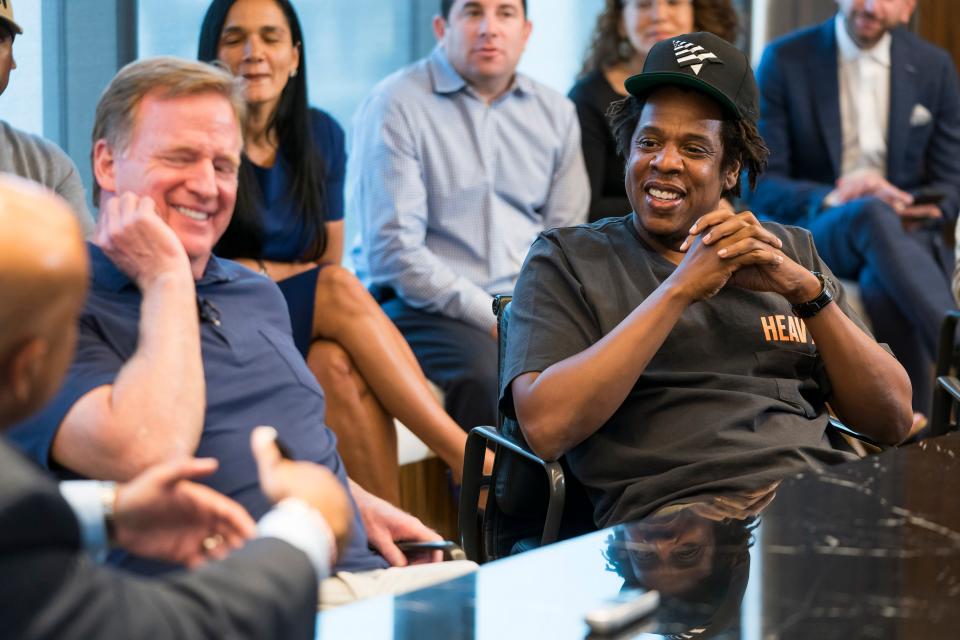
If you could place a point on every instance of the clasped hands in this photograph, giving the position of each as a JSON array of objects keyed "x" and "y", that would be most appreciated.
[{"x": 726, "y": 248}]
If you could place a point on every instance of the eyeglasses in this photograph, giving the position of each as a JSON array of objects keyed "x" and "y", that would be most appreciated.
[{"x": 647, "y": 5}]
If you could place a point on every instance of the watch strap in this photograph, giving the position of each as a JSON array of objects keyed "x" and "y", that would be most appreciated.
[{"x": 813, "y": 307}]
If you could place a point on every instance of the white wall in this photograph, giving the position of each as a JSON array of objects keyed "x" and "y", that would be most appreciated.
[
  {"x": 758, "y": 30},
  {"x": 350, "y": 45},
  {"x": 556, "y": 47}
]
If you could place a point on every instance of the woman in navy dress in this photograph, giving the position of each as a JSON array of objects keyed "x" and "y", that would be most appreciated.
[{"x": 288, "y": 225}]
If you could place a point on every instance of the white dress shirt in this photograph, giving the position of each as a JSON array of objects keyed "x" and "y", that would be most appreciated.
[
  {"x": 450, "y": 191},
  {"x": 290, "y": 520},
  {"x": 864, "y": 101}
]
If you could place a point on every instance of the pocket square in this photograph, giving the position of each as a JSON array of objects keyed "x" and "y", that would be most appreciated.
[{"x": 920, "y": 116}]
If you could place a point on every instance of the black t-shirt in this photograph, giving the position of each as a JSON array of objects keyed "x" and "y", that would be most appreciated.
[{"x": 733, "y": 399}]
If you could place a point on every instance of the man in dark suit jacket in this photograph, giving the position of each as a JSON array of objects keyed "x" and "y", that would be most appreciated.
[
  {"x": 50, "y": 587},
  {"x": 863, "y": 123}
]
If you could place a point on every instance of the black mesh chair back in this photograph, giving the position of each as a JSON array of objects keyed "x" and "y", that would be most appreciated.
[
  {"x": 946, "y": 391},
  {"x": 531, "y": 501}
]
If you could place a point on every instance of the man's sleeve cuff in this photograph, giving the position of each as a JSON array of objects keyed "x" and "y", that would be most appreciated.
[
  {"x": 479, "y": 312},
  {"x": 297, "y": 523},
  {"x": 85, "y": 497}
]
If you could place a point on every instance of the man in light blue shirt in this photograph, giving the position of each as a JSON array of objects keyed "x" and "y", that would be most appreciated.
[{"x": 458, "y": 162}]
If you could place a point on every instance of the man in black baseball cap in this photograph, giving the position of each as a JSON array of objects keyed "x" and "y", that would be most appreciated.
[{"x": 685, "y": 348}]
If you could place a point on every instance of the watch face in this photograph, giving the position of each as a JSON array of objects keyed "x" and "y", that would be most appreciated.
[{"x": 828, "y": 283}]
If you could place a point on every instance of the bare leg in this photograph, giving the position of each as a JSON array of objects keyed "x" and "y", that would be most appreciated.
[
  {"x": 346, "y": 314},
  {"x": 366, "y": 437}
]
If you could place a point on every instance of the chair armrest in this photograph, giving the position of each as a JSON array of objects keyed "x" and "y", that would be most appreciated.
[
  {"x": 948, "y": 329},
  {"x": 942, "y": 404},
  {"x": 501, "y": 440},
  {"x": 950, "y": 384},
  {"x": 468, "y": 516},
  {"x": 842, "y": 428},
  {"x": 474, "y": 480}
]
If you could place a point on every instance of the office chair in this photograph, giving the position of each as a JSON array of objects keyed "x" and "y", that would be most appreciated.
[
  {"x": 530, "y": 501},
  {"x": 946, "y": 391}
]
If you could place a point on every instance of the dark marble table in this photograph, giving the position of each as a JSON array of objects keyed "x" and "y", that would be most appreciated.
[{"x": 865, "y": 550}]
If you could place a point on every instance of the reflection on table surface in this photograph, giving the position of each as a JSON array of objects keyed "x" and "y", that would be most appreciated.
[{"x": 863, "y": 550}]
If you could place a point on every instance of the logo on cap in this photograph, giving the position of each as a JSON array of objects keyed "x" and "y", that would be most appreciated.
[{"x": 689, "y": 55}]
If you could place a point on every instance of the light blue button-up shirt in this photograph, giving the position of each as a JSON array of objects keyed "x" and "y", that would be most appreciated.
[{"x": 450, "y": 192}]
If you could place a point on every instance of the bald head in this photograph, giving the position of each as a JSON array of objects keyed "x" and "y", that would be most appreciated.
[{"x": 43, "y": 279}]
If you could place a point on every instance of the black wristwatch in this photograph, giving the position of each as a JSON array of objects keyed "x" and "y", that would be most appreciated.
[{"x": 813, "y": 307}]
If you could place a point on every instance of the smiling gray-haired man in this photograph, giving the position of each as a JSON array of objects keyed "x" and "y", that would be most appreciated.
[{"x": 182, "y": 353}]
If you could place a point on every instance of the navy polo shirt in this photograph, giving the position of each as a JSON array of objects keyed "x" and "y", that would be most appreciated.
[{"x": 254, "y": 375}]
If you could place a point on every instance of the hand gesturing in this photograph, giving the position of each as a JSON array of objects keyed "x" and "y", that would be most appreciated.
[{"x": 160, "y": 514}]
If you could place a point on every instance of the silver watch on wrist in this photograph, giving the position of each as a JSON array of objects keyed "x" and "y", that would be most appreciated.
[{"x": 108, "y": 499}]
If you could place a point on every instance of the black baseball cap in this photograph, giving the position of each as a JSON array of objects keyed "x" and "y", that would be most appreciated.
[{"x": 704, "y": 62}]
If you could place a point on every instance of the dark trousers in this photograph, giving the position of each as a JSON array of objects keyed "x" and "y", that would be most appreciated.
[
  {"x": 904, "y": 280},
  {"x": 459, "y": 358}
]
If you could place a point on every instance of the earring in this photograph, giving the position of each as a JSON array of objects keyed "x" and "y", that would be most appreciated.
[
  {"x": 624, "y": 49},
  {"x": 293, "y": 73}
]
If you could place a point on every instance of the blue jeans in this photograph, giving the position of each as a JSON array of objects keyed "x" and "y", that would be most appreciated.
[{"x": 459, "y": 358}]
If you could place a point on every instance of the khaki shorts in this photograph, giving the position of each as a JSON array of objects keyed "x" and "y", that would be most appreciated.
[{"x": 346, "y": 587}]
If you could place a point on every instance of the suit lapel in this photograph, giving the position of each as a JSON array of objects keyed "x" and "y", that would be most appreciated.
[
  {"x": 826, "y": 93},
  {"x": 903, "y": 95}
]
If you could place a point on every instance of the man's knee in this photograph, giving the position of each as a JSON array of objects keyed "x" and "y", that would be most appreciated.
[
  {"x": 874, "y": 217},
  {"x": 475, "y": 379},
  {"x": 475, "y": 375},
  {"x": 446, "y": 348}
]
